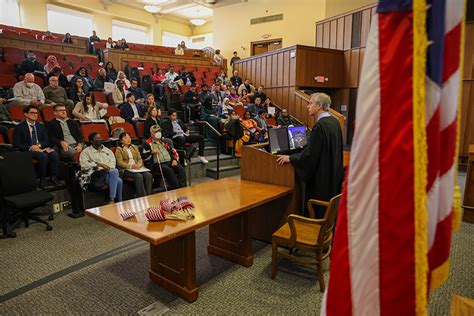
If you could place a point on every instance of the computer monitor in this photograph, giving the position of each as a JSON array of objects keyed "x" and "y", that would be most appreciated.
[
  {"x": 297, "y": 137},
  {"x": 278, "y": 139}
]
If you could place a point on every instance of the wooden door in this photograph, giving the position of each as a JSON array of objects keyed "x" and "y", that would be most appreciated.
[
  {"x": 260, "y": 48},
  {"x": 274, "y": 45}
]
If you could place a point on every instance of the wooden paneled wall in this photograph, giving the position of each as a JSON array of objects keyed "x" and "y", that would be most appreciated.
[
  {"x": 286, "y": 70},
  {"x": 24, "y": 43},
  {"x": 467, "y": 105}
]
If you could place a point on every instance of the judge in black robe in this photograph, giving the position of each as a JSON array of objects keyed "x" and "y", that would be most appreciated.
[{"x": 319, "y": 165}]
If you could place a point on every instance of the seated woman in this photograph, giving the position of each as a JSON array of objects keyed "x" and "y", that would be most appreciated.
[
  {"x": 111, "y": 71},
  {"x": 234, "y": 99},
  {"x": 250, "y": 126},
  {"x": 88, "y": 109},
  {"x": 102, "y": 160},
  {"x": 164, "y": 159},
  {"x": 157, "y": 81},
  {"x": 51, "y": 63},
  {"x": 244, "y": 99},
  {"x": 68, "y": 39},
  {"x": 209, "y": 114},
  {"x": 129, "y": 162},
  {"x": 110, "y": 43},
  {"x": 78, "y": 90},
  {"x": 86, "y": 79},
  {"x": 152, "y": 119},
  {"x": 236, "y": 136},
  {"x": 122, "y": 77}
]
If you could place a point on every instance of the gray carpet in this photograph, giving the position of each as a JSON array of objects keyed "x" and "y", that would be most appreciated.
[{"x": 120, "y": 284}]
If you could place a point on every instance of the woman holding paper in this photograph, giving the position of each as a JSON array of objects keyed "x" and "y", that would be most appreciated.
[
  {"x": 130, "y": 163},
  {"x": 88, "y": 109}
]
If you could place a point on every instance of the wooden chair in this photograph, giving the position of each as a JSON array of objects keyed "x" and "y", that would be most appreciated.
[{"x": 307, "y": 235}]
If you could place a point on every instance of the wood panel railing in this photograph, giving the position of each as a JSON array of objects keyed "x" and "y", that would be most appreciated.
[{"x": 32, "y": 44}]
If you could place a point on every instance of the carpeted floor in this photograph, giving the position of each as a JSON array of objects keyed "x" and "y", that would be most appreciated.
[{"x": 86, "y": 267}]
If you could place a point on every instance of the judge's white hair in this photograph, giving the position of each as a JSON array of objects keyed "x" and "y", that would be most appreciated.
[{"x": 323, "y": 99}]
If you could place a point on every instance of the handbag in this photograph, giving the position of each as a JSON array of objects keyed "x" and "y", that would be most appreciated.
[{"x": 98, "y": 179}]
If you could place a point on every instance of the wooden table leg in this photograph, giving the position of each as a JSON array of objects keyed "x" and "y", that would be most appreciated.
[
  {"x": 173, "y": 266},
  {"x": 230, "y": 239}
]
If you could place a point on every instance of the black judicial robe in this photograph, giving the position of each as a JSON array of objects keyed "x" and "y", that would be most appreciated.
[{"x": 319, "y": 165}]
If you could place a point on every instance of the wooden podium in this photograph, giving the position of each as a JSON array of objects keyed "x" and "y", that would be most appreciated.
[
  {"x": 468, "y": 203},
  {"x": 260, "y": 166}
]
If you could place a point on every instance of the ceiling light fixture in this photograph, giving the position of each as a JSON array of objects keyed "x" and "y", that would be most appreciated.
[
  {"x": 152, "y": 8},
  {"x": 198, "y": 21}
]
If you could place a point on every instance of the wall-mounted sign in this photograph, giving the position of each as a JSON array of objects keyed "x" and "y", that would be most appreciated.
[{"x": 266, "y": 35}]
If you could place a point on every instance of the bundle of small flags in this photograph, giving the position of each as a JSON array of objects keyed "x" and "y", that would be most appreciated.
[
  {"x": 181, "y": 209},
  {"x": 155, "y": 213}
]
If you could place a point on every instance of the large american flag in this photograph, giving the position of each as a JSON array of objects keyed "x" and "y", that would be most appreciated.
[{"x": 394, "y": 226}]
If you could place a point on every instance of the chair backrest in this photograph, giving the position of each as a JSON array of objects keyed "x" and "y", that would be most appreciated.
[
  {"x": 17, "y": 170},
  {"x": 329, "y": 219},
  {"x": 48, "y": 113},
  {"x": 239, "y": 110},
  {"x": 99, "y": 128},
  {"x": 140, "y": 125},
  {"x": 112, "y": 110},
  {"x": 99, "y": 96},
  {"x": 126, "y": 127},
  {"x": 16, "y": 112},
  {"x": 7, "y": 80},
  {"x": 271, "y": 121}
]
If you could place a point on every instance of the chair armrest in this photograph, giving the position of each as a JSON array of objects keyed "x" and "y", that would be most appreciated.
[
  {"x": 313, "y": 202},
  {"x": 291, "y": 223}
]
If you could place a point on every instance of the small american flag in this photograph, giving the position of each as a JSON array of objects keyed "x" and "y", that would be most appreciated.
[
  {"x": 155, "y": 213},
  {"x": 185, "y": 203},
  {"x": 127, "y": 215},
  {"x": 166, "y": 205}
]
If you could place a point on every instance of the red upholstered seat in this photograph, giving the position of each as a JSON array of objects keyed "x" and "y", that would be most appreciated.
[
  {"x": 113, "y": 111},
  {"x": 134, "y": 63},
  {"x": 127, "y": 127},
  {"x": 88, "y": 128},
  {"x": 99, "y": 96},
  {"x": 13, "y": 59},
  {"x": 140, "y": 126},
  {"x": 7, "y": 80}
]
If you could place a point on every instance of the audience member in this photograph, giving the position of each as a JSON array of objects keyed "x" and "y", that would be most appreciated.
[
  {"x": 110, "y": 43},
  {"x": 88, "y": 109},
  {"x": 157, "y": 81},
  {"x": 57, "y": 72},
  {"x": 218, "y": 58},
  {"x": 218, "y": 95},
  {"x": 179, "y": 51},
  {"x": 124, "y": 44},
  {"x": 175, "y": 129},
  {"x": 236, "y": 134},
  {"x": 255, "y": 107},
  {"x": 164, "y": 155},
  {"x": 86, "y": 80},
  {"x": 247, "y": 86},
  {"x": 78, "y": 90},
  {"x": 234, "y": 97},
  {"x": 130, "y": 163},
  {"x": 138, "y": 92},
  {"x": 285, "y": 119},
  {"x": 205, "y": 94},
  {"x": 54, "y": 94},
  {"x": 209, "y": 114},
  {"x": 152, "y": 119},
  {"x": 196, "y": 53},
  {"x": 102, "y": 160},
  {"x": 68, "y": 39},
  {"x": 236, "y": 80},
  {"x": 188, "y": 78},
  {"x": 130, "y": 111},
  {"x": 261, "y": 120},
  {"x": 150, "y": 101},
  {"x": 260, "y": 94},
  {"x": 170, "y": 77},
  {"x": 101, "y": 79},
  {"x": 123, "y": 77},
  {"x": 243, "y": 97},
  {"x": 30, "y": 135},
  {"x": 51, "y": 63},
  {"x": 111, "y": 71},
  {"x": 250, "y": 126},
  {"x": 183, "y": 45},
  {"x": 120, "y": 93},
  {"x": 93, "y": 39},
  {"x": 234, "y": 59},
  {"x": 47, "y": 36},
  {"x": 30, "y": 65},
  {"x": 191, "y": 101},
  {"x": 223, "y": 78},
  {"x": 65, "y": 133},
  {"x": 27, "y": 92}
]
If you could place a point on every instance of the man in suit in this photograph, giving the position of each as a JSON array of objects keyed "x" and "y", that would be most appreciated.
[
  {"x": 32, "y": 136},
  {"x": 130, "y": 111},
  {"x": 175, "y": 129},
  {"x": 65, "y": 133}
]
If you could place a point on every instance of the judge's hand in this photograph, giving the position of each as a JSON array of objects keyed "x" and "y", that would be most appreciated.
[{"x": 283, "y": 159}]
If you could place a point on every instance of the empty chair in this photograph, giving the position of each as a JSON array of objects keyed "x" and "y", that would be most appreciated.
[
  {"x": 149, "y": 65},
  {"x": 128, "y": 127},
  {"x": 92, "y": 127},
  {"x": 112, "y": 110},
  {"x": 13, "y": 59},
  {"x": 48, "y": 113},
  {"x": 271, "y": 121},
  {"x": 73, "y": 58},
  {"x": 140, "y": 126},
  {"x": 16, "y": 112},
  {"x": 13, "y": 51},
  {"x": 7, "y": 80},
  {"x": 99, "y": 96},
  {"x": 90, "y": 60},
  {"x": 6, "y": 68},
  {"x": 134, "y": 63}
]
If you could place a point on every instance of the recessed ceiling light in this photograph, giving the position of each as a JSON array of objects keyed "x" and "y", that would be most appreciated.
[
  {"x": 198, "y": 21},
  {"x": 152, "y": 8}
]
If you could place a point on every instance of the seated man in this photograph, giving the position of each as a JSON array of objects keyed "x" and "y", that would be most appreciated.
[
  {"x": 54, "y": 94},
  {"x": 255, "y": 107},
  {"x": 285, "y": 119},
  {"x": 103, "y": 161},
  {"x": 4, "y": 117},
  {"x": 27, "y": 92},
  {"x": 65, "y": 133},
  {"x": 32, "y": 136},
  {"x": 164, "y": 155},
  {"x": 140, "y": 95},
  {"x": 130, "y": 111},
  {"x": 191, "y": 100},
  {"x": 260, "y": 94},
  {"x": 30, "y": 65},
  {"x": 170, "y": 78},
  {"x": 101, "y": 79},
  {"x": 175, "y": 129}
]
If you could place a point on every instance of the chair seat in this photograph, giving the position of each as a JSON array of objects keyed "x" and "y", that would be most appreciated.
[
  {"x": 28, "y": 200},
  {"x": 307, "y": 234}
]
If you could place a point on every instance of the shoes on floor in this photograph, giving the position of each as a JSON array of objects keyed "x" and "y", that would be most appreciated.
[{"x": 202, "y": 159}]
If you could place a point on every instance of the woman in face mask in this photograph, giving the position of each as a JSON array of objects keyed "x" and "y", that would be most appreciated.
[
  {"x": 130, "y": 163},
  {"x": 164, "y": 159},
  {"x": 102, "y": 160}
]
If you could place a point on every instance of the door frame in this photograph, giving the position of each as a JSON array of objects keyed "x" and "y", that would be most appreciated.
[{"x": 267, "y": 41}]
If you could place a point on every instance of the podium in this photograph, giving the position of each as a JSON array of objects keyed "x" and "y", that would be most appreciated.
[{"x": 260, "y": 166}]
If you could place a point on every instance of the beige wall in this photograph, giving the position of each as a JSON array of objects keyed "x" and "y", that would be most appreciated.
[
  {"x": 33, "y": 15},
  {"x": 233, "y": 32},
  {"x": 336, "y": 7},
  {"x": 204, "y": 29}
]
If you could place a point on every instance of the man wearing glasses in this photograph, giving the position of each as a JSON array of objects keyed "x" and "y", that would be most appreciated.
[
  {"x": 65, "y": 133},
  {"x": 32, "y": 136}
]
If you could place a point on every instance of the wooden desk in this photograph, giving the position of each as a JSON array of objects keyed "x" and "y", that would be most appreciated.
[
  {"x": 221, "y": 204},
  {"x": 468, "y": 203}
]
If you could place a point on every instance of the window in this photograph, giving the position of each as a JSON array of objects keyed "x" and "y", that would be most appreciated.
[
  {"x": 62, "y": 20},
  {"x": 10, "y": 13},
  {"x": 172, "y": 39},
  {"x": 131, "y": 32}
]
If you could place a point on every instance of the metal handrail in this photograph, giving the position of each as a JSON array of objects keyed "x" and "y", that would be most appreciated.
[{"x": 218, "y": 150}]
